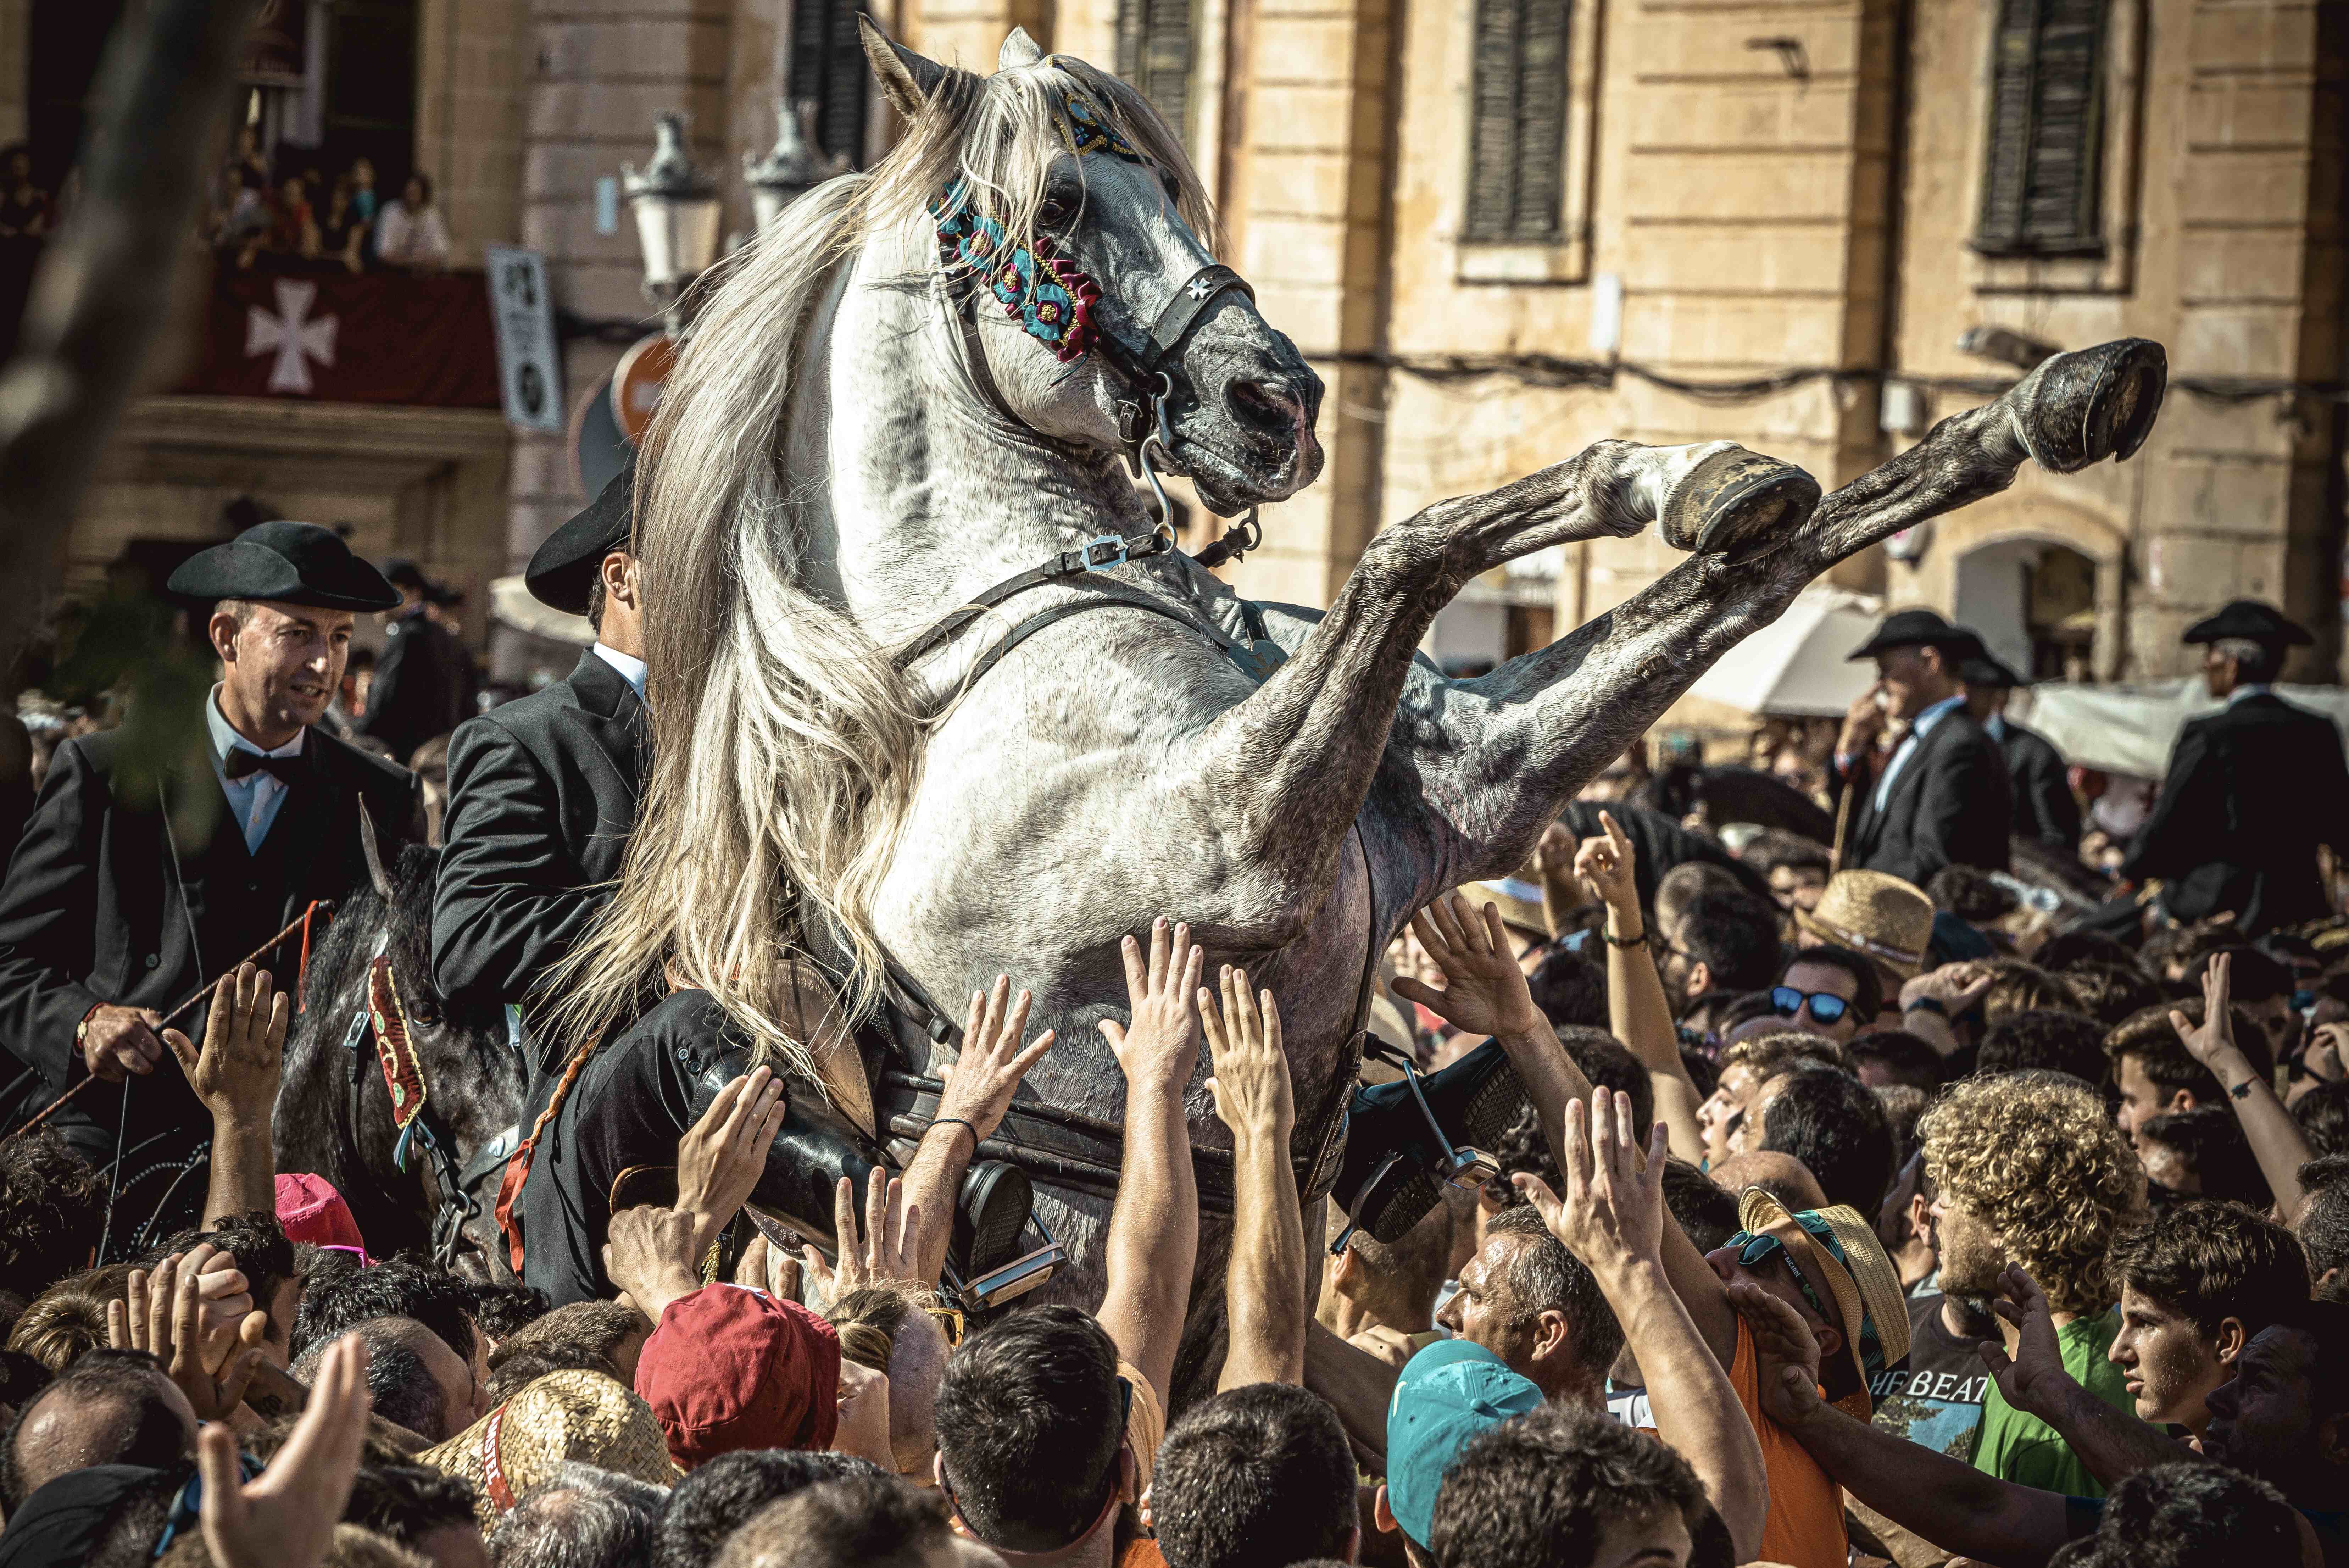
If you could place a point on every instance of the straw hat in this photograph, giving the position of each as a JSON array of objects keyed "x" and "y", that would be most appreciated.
[
  {"x": 1851, "y": 1261},
  {"x": 582, "y": 1416},
  {"x": 1889, "y": 921}
]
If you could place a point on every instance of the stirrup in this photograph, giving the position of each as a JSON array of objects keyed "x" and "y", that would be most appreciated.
[{"x": 1405, "y": 1172}]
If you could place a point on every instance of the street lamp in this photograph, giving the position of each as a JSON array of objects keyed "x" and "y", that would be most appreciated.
[
  {"x": 792, "y": 167},
  {"x": 676, "y": 210}
]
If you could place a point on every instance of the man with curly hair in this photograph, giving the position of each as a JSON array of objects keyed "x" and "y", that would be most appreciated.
[{"x": 2029, "y": 1172}]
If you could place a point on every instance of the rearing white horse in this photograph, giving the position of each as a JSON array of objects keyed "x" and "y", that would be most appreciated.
[{"x": 918, "y": 385}]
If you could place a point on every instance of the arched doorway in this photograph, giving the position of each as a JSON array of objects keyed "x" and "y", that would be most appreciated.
[{"x": 2034, "y": 604}]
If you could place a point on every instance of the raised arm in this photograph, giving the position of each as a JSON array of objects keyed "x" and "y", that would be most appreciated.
[
  {"x": 1153, "y": 1229},
  {"x": 1612, "y": 1216},
  {"x": 1265, "y": 1283},
  {"x": 235, "y": 1074},
  {"x": 2111, "y": 1443},
  {"x": 1948, "y": 1503},
  {"x": 2275, "y": 1137},
  {"x": 1637, "y": 1009},
  {"x": 977, "y": 1095}
]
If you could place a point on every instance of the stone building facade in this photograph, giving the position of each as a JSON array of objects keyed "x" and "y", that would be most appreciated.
[{"x": 1504, "y": 229}]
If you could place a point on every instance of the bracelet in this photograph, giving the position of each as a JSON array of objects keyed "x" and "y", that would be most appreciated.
[
  {"x": 937, "y": 1121},
  {"x": 1639, "y": 941},
  {"x": 1926, "y": 1004}
]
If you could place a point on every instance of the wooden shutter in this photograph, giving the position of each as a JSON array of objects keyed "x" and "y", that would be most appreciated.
[
  {"x": 828, "y": 66},
  {"x": 1516, "y": 135},
  {"x": 1153, "y": 53},
  {"x": 2044, "y": 167}
]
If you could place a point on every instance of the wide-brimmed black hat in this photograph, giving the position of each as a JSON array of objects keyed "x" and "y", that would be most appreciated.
[
  {"x": 564, "y": 570},
  {"x": 1986, "y": 668},
  {"x": 286, "y": 563},
  {"x": 1914, "y": 628},
  {"x": 402, "y": 572},
  {"x": 2251, "y": 622}
]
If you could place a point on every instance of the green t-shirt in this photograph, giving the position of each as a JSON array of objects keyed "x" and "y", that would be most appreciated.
[{"x": 2026, "y": 1450}]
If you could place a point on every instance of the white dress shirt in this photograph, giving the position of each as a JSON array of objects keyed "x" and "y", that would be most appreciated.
[
  {"x": 256, "y": 797},
  {"x": 1918, "y": 728},
  {"x": 631, "y": 667}
]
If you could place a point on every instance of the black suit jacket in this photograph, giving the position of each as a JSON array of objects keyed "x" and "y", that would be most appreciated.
[
  {"x": 2250, "y": 792},
  {"x": 94, "y": 911},
  {"x": 2045, "y": 808},
  {"x": 421, "y": 685},
  {"x": 542, "y": 799},
  {"x": 1950, "y": 805}
]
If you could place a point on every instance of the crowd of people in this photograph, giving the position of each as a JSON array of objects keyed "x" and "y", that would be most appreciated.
[
  {"x": 1832, "y": 1210},
  {"x": 282, "y": 212}
]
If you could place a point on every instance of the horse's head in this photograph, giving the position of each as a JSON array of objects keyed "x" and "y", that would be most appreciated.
[{"x": 1061, "y": 199}]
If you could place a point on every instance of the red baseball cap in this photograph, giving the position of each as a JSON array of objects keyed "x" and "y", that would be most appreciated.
[
  {"x": 310, "y": 1210},
  {"x": 730, "y": 1368}
]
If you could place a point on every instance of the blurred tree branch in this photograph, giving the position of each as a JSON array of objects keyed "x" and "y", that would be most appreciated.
[{"x": 103, "y": 290}]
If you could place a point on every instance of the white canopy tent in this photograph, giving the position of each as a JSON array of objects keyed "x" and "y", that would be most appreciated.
[
  {"x": 1800, "y": 665},
  {"x": 2131, "y": 728},
  {"x": 512, "y": 605}
]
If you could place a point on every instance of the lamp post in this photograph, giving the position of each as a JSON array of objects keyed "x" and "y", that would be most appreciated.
[
  {"x": 792, "y": 167},
  {"x": 677, "y": 211}
]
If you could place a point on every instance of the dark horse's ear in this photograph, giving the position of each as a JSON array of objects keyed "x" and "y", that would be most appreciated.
[
  {"x": 907, "y": 79},
  {"x": 374, "y": 856}
]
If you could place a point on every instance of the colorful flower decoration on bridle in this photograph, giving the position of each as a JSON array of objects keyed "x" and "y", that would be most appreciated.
[
  {"x": 1049, "y": 296},
  {"x": 1085, "y": 129}
]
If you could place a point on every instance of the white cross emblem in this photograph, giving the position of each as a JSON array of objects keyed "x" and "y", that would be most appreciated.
[
  {"x": 295, "y": 341},
  {"x": 1198, "y": 288}
]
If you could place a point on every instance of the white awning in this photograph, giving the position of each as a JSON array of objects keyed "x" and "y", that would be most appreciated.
[
  {"x": 511, "y": 605},
  {"x": 2131, "y": 728},
  {"x": 1801, "y": 665}
]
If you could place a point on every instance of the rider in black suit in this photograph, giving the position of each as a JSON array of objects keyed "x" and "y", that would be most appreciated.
[
  {"x": 1940, "y": 797},
  {"x": 132, "y": 889},
  {"x": 423, "y": 675},
  {"x": 543, "y": 791},
  {"x": 2044, "y": 806},
  {"x": 2252, "y": 790}
]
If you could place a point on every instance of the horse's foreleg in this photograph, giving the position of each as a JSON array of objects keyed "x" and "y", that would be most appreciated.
[
  {"x": 1496, "y": 757},
  {"x": 1286, "y": 770}
]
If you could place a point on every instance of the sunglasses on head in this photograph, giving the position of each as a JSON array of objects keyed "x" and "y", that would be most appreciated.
[
  {"x": 949, "y": 1322},
  {"x": 1825, "y": 1005}
]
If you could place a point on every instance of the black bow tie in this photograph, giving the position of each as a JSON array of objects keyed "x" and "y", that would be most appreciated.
[{"x": 242, "y": 764}]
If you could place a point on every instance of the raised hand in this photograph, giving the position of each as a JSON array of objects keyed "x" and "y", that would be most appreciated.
[
  {"x": 980, "y": 1084},
  {"x": 892, "y": 1246},
  {"x": 2033, "y": 1381},
  {"x": 721, "y": 1156},
  {"x": 1606, "y": 866},
  {"x": 769, "y": 1268},
  {"x": 2215, "y": 1035},
  {"x": 650, "y": 1255},
  {"x": 1955, "y": 986},
  {"x": 1787, "y": 1356},
  {"x": 285, "y": 1517},
  {"x": 1484, "y": 991},
  {"x": 1159, "y": 1046},
  {"x": 1250, "y": 1079},
  {"x": 1612, "y": 1214},
  {"x": 164, "y": 1314},
  {"x": 243, "y": 1057}
]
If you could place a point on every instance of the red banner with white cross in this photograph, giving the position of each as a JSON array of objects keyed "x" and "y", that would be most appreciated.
[{"x": 337, "y": 336}]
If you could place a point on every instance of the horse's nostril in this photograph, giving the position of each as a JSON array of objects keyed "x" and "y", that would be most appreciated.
[{"x": 1266, "y": 403}]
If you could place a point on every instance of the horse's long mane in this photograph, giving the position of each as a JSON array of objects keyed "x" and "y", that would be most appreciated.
[{"x": 787, "y": 746}]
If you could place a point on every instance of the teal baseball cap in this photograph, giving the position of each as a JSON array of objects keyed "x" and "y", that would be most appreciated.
[{"x": 1447, "y": 1394}]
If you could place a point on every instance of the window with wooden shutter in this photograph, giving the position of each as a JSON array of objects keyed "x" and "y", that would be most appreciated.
[
  {"x": 828, "y": 67},
  {"x": 2043, "y": 170},
  {"x": 1517, "y": 139},
  {"x": 1153, "y": 53}
]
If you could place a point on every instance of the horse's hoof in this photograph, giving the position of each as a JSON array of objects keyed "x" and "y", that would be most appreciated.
[
  {"x": 1738, "y": 504},
  {"x": 2080, "y": 408}
]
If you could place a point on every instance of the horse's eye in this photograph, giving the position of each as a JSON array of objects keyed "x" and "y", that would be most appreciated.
[{"x": 1054, "y": 213}]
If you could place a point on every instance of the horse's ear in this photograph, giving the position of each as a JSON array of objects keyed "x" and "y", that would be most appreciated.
[
  {"x": 374, "y": 854},
  {"x": 907, "y": 79},
  {"x": 1019, "y": 49}
]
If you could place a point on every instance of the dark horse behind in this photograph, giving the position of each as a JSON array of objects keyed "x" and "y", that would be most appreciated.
[{"x": 334, "y": 1114}]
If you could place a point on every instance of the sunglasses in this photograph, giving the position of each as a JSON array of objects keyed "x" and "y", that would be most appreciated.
[
  {"x": 949, "y": 1322},
  {"x": 1754, "y": 1252},
  {"x": 1825, "y": 1005}
]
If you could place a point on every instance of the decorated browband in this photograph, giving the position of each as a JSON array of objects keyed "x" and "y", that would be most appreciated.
[{"x": 1050, "y": 296}]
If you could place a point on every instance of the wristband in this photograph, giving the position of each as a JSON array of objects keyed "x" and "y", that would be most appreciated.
[
  {"x": 81, "y": 1029},
  {"x": 1925, "y": 1004},
  {"x": 937, "y": 1121},
  {"x": 1639, "y": 941}
]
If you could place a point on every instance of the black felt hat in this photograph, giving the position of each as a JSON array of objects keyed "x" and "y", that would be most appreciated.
[
  {"x": 286, "y": 563},
  {"x": 564, "y": 568},
  {"x": 1914, "y": 628},
  {"x": 1978, "y": 665},
  {"x": 2252, "y": 621}
]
